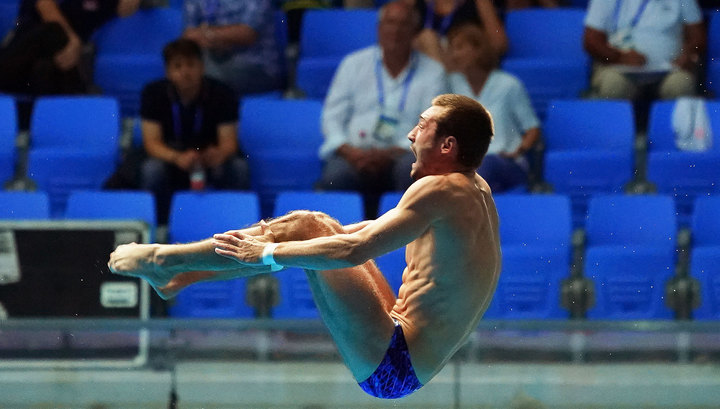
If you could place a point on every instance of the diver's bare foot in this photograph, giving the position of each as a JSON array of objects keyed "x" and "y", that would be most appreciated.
[{"x": 138, "y": 260}]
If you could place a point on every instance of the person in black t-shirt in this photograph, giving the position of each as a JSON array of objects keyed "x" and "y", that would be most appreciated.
[
  {"x": 44, "y": 51},
  {"x": 189, "y": 129}
]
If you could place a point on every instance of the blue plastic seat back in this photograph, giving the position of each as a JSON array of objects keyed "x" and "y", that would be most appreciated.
[
  {"x": 24, "y": 205},
  {"x": 629, "y": 282},
  {"x": 630, "y": 254},
  {"x": 705, "y": 267},
  {"x": 631, "y": 220},
  {"x": 315, "y": 74},
  {"x": 581, "y": 125},
  {"x": 197, "y": 216},
  {"x": 85, "y": 123},
  {"x": 337, "y": 32},
  {"x": 8, "y": 133},
  {"x": 535, "y": 233},
  {"x": 555, "y": 33},
  {"x": 113, "y": 205},
  {"x": 529, "y": 284},
  {"x": 276, "y": 125},
  {"x": 346, "y": 207},
  {"x": 706, "y": 221},
  {"x": 145, "y": 32},
  {"x": 713, "y": 53},
  {"x": 59, "y": 171},
  {"x": 534, "y": 220},
  {"x": 281, "y": 139}
]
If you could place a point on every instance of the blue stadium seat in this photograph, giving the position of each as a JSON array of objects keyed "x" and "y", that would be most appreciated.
[
  {"x": 295, "y": 295},
  {"x": 535, "y": 232},
  {"x": 24, "y": 205},
  {"x": 553, "y": 65},
  {"x": 327, "y": 36},
  {"x": 681, "y": 174},
  {"x": 113, "y": 205},
  {"x": 129, "y": 53},
  {"x": 73, "y": 145},
  {"x": 713, "y": 54},
  {"x": 705, "y": 256},
  {"x": 197, "y": 216},
  {"x": 393, "y": 263},
  {"x": 346, "y": 207},
  {"x": 281, "y": 139},
  {"x": 588, "y": 149},
  {"x": 8, "y": 133},
  {"x": 630, "y": 254}
]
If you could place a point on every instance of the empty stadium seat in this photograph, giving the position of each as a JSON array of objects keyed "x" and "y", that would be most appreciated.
[
  {"x": 197, "y": 216},
  {"x": 630, "y": 254},
  {"x": 535, "y": 232},
  {"x": 705, "y": 256},
  {"x": 327, "y": 36},
  {"x": 129, "y": 53},
  {"x": 346, "y": 207},
  {"x": 113, "y": 205},
  {"x": 546, "y": 53},
  {"x": 281, "y": 139},
  {"x": 295, "y": 295},
  {"x": 682, "y": 174},
  {"x": 73, "y": 145},
  {"x": 588, "y": 149},
  {"x": 24, "y": 205},
  {"x": 8, "y": 133}
]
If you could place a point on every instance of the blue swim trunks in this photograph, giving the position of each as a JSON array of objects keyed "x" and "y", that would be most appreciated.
[{"x": 395, "y": 376}]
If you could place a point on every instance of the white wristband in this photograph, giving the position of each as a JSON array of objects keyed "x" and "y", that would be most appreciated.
[{"x": 268, "y": 259}]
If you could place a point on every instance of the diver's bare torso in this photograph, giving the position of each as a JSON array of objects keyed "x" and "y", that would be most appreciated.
[{"x": 451, "y": 275}]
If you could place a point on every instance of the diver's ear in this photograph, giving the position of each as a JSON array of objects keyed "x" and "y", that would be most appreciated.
[{"x": 448, "y": 144}]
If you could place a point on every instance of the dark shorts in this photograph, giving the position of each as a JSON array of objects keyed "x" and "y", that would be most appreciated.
[{"x": 395, "y": 376}]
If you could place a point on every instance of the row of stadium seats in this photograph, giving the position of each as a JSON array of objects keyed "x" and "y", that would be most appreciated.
[
  {"x": 589, "y": 147},
  {"x": 552, "y": 65},
  {"x": 631, "y": 252},
  {"x": 545, "y": 51}
]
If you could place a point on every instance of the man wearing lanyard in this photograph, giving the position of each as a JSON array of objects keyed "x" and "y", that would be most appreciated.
[
  {"x": 189, "y": 129},
  {"x": 376, "y": 95},
  {"x": 644, "y": 43}
]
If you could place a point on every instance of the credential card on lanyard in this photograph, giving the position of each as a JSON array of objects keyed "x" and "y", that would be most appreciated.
[
  {"x": 622, "y": 36},
  {"x": 387, "y": 123}
]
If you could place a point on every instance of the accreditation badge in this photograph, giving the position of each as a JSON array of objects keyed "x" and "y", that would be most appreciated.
[{"x": 386, "y": 128}]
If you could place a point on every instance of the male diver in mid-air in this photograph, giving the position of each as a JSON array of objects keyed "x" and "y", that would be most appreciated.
[{"x": 447, "y": 219}]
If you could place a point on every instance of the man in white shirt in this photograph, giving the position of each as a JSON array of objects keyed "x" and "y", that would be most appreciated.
[
  {"x": 638, "y": 43},
  {"x": 377, "y": 93}
]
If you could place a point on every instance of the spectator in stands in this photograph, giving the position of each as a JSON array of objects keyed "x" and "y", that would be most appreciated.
[
  {"x": 43, "y": 54},
  {"x": 238, "y": 42},
  {"x": 644, "y": 48},
  {"x": 189, "y": 130},
  {"x": 440, "y": 16},
  {"x": 517, "y": 128},
  {"x": 376, "y": 95}
]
